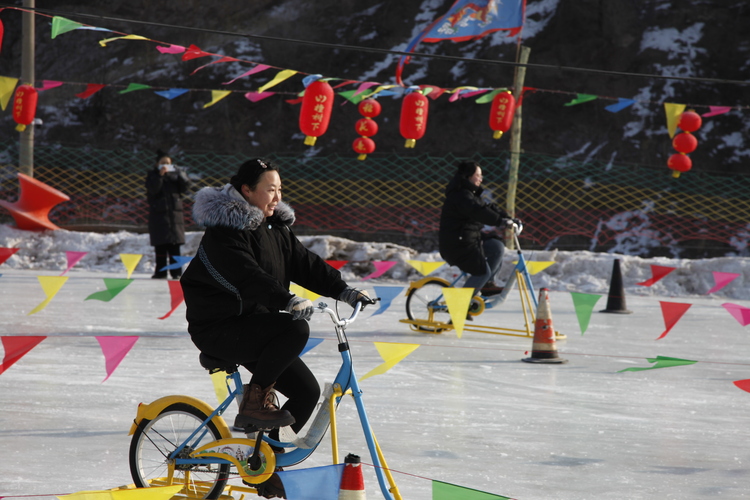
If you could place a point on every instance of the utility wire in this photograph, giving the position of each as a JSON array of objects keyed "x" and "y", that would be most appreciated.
[{"x": 356, "y": 48}]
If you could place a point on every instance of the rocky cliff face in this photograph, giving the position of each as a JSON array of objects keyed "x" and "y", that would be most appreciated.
[{"x": 707, "y": 39}]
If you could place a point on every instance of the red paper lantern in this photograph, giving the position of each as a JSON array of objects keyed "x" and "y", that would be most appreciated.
[
  {"x": 685, "y": 142},
  {"x": 366, "y": 127},
  {"x": 689, "y": 121},
  {"x": 369, "y": 108},
  {"x": 315, "y": 114},
  {"x": 414, "y": 112},
  {"x": 364, "y": 146},
  {"x": 501, "y": 113},
  {"x": 24, "y": 106},
  {"x": 679, "y": 162}
]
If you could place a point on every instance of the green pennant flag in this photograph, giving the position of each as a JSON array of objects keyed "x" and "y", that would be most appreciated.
[
  {"x": 446, "y": 491},
  {"x": 61, "y": 25},
  {"x": 114, "y": 287},
  {"x": 580, "y": 99},
  {"x": 584, "y": 305},
  {"x": 661, "y": 362},
  {"x": 485, "y": 98},
  {"x": 135, "y": 86},
  {"x": 354, "y": 99}
]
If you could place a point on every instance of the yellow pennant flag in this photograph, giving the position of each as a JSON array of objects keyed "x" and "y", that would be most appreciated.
[
  {"x": 7, "y": 86},
  {"x": 673, "y": 112},
  {"x": 379, "y": 89},
  {"x": 104, "y": 43},
  {"x": 130, "y": 260},
  {"x": 458, "y": 300},
  {"x": 392, "y": 354},
  {"x": 153, "y": 493},
  {"x": 423, "y": 267},
  {"x": 303, "y": 292},
  {"x": 51, "y": 285},
  {"x": 216, "y": 96},
  {"x": 536, "y": 266},
  {"x": 219, "y": 380},
  {"x": 280, "y": 77}
]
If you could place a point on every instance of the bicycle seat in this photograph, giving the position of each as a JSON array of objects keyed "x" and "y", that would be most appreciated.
[{"x": 214, "y": 365}]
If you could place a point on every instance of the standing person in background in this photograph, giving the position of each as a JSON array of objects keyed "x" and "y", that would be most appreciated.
[{"x": 165, "y": 185}]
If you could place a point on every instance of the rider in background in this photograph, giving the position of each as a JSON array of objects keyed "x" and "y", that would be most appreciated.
[{"x": 462, "y": 242}]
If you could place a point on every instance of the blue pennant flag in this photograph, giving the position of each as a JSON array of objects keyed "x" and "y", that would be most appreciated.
[
  {"x": 386, "y": 294},
  {"x": 317, "y": 483},
  {"x": 620, "y": 105},
  {"x": 171, "y": 93},
  {"x": 181, "y": 260}
]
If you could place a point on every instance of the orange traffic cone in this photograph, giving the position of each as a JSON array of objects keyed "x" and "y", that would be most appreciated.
[
  {"x": 543, "y": 348},
  {"x": 352, "y": 482}
]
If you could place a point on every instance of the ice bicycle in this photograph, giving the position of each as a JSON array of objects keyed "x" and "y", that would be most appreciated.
[
  {"x": 427, "y": 310},
  {"x": 181, "y": 440}
]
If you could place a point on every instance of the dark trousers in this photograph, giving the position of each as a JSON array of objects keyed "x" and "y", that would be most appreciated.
[{"x": 162, "y": 252}]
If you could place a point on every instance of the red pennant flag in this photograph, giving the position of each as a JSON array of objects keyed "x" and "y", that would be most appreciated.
[
  {"x": 672, "y": 312},
  {"x": 16, "y": 348},
  {"x": 743, "y": 384},
  {"x": 194, "y": 52},
  {"x": 91, "y": 89},
  {"x": 7, "y": 253},
  {"x": 657, "y": 273},
  {"x": 337, "y": 264},
  {"x": 175, "y": 292}
]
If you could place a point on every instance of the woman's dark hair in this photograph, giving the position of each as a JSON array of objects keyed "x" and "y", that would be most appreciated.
[
  {"x": 250, "y": 172},
  {"x": 466, "y": 169},
  {"x": 161, "y": 154}
]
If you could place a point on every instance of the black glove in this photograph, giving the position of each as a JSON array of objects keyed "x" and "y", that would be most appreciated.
[
  {"x": 351, "y": 296},
  {"x": 300, "y": 308}
]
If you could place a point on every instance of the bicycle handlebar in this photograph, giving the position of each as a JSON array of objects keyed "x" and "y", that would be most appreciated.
[{"x": 322, "y": 307}]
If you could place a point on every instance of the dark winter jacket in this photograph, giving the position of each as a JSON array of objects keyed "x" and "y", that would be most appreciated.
[
  {"x": 246, "y": 261},
  {"x": 461, "y": 220},
  {"x": 166, "y": 221}
]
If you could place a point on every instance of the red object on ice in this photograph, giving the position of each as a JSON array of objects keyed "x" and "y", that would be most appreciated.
[{"x": 35, "y": 200}]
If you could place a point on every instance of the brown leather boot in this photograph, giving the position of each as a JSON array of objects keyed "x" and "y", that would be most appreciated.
[{"x": 259, "y": 409}]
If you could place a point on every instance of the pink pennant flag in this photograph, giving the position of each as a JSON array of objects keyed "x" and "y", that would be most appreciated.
[
  {"x": 73, "y": 258},
  {"x": 364, "y": 86},
  {"x": 743, "y": 384},
  {"x": 7, "y": 253},
  {"x": 258, "y": 96},
  {"x": 672, "y": 312},
  {"x": 380, "y": 268},
  {"x": 175, "y": 293},
  {"x": 91, "y": 89},
  {"x": 16, "y": 348},
  {"x": 740, "y": 313},
  {"x": 717, "y": 110},
  {"x": 194, "y": 52},
  {"x": 256, "y": 69},
  {"x": 114, "y": 350},
  {"x": 171, "y": 49},
  {"x": 657, "y": 273},
  {"x": 49, "y": 84},
  {"x": 722, "y": 280}
]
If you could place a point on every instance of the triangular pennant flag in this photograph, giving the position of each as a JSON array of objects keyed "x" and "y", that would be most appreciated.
[
  {"x": 91, "y": 89},
  {"x": 280, "y": 77},
  {"x": 673, "y": 112},
  {"x": 16, "y": 348},
  {"x": 258, "y": 96},
  {"x": 317, "y": 483},
  {"x": 221, "y": 60},
  {"x": 738, "y": 312},
  {"x": 584, "y": 305},
  {"x": 216, "y": 96},
  {"x": 114, "y": 350},
  {"x": 386, "y": 295},
  {"x": 458, "y": 301},
  {"x": 392, "y": 354},
  {"x": 303, "y": 292},
  {"x": 180, "y": 260},
  {"x": 446, "y": 491},
  {"x": 2, "y": 33},
  {"x": 130, "y": 261},
  {"x": 672, "y": 312},
  {"x": 175, "y": 295},
  {"x": 7, "y": 253},
  {"x": 73, "y": 259},
  {"x": 311, "y": 344},
  {"x": 743, "y": 384},
  {"x": 337, "y": 264},
  {"x": 104, "y": 43},
  {"x": 194, "y": 52},
  {"x": 424, "y": 267},
  {"x": 152, "y": 493},
  {"x": 257, "y": 69},
  {"x": 535, "y": 267},
  {"x": 484, "y": 99},
  {"x": 619, "y": 105},
  {"x": 51, "y": 285},
  {"x": 381, "y": 267},
  {"x": 132, "y": 87},
  {"x": 61, "y": 25},
  {"x": 7, "y": 87},
  {"x": 657, "y": 273},
  {"x": 580, "y": 99},
  {"x": 171, "y": 93},
  {"x": 219, "y": 381},
  {"x": 352, "y": 96},
  {"x": 722, "y": 280},
  {"x": 114, "y": 287},
  {"x": 171, "y": 49},
  {"x": 661, "y": 362},
  {"x": 49, "y": 84},
  {"x": 717, "y": 110}
]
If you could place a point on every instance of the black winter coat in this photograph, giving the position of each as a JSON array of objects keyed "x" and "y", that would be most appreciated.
[
  {"x": 461, "y": 220},
  {"x": 166, "y": 220},
  {"x": 245, "y": 262}
]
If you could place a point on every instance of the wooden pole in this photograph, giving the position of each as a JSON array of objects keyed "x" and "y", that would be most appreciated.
[
  {"x": 515, "y": 141},
  {"x": 26, "y": 147}
]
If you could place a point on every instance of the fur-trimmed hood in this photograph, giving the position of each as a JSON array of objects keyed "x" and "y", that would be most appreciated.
[{"x": 226, "y": 207}]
